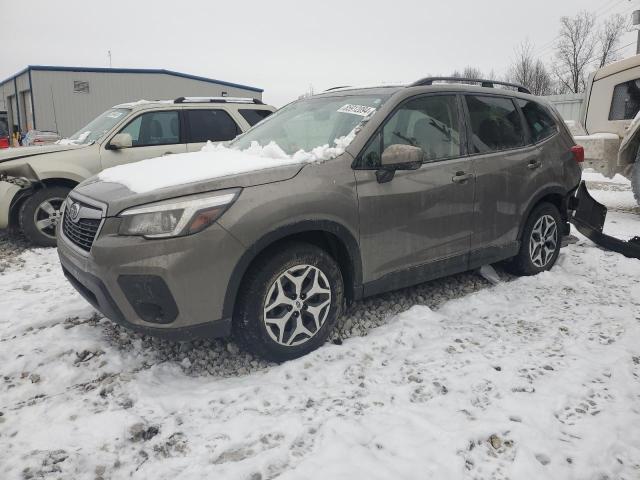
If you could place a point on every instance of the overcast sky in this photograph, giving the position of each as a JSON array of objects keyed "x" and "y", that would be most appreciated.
[{"x": 284, "y": 46}]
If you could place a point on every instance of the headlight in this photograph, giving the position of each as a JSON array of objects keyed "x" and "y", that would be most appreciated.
[{"x": 176, "y": 217}]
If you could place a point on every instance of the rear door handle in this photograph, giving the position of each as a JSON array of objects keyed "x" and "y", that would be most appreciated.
[
  {"x": 461, "y": 177},
  {"x": 533, "y": 164}
]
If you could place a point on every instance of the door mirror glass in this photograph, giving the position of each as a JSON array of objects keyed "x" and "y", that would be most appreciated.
[
  {"x": 121, "y": 140},
  {"x": 402, "y": 157}
]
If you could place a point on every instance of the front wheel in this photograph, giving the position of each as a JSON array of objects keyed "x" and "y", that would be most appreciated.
[
  {"x": 540, "y": 242},
  {"x": 289, "y": 301},
  {"x": 40, "y": 215}
]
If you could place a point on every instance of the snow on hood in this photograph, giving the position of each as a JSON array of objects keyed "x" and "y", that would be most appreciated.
[{"x": 213, "y": 161}]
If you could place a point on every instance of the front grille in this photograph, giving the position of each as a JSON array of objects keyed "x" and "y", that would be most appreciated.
[{"x": 83, "y": 232}]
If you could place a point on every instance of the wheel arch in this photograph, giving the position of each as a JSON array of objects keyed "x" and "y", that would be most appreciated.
[
  {"x": 22, "y": 195},
  {"x": 331, "y": 236},
  {"x": 555, "y": 195}
]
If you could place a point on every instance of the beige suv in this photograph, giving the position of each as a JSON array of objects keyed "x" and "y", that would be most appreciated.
[{"x": 34, "y": 181}]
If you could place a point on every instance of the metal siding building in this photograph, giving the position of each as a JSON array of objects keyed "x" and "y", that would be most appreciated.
[{"x": 64, "y": 99}]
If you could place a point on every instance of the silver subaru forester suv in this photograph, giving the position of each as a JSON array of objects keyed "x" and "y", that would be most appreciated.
[{"x": 438, "y": 178}]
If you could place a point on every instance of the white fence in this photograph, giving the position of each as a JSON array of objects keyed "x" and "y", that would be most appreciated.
[{"x": 568, "y": 104}]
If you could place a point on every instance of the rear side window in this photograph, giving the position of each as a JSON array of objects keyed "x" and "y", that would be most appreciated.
[
  {"x": 254, "y": 116},
  {"x": 495, "y": 124},
  {"x": 213, "y": 125},
  {"x": 540, "y": 122},
  {"x": 625, "y": 103}
]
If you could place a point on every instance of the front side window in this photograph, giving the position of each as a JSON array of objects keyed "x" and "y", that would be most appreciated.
[
  {"x": 254, "y": 116},
  {"x": 540, "y": 122},
  {"x": 98, "y": 127},
  {"x": 211, "y": 125},
  {"x": 312, "y": 122},
  {"x": 495, "y": 124},
  {"x": 625, "y": 103},
  {"x": 430, "y": 123},
  {"x": 154, "y": 128}
]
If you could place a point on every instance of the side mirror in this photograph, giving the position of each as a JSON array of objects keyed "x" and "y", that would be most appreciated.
[
  {"x": 402, "y": 157},
  {"x": 121, "y": 140}
]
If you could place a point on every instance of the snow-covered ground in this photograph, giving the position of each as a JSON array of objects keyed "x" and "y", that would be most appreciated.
[{"x": 530, "y": 378}]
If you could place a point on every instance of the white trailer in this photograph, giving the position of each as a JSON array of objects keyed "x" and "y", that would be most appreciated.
[{"x": 605, "y": 119}]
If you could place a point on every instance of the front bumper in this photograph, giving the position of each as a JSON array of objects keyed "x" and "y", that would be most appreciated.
[
  {"x": 173, "y": 288},
  {"x": 589, "y": 217}
]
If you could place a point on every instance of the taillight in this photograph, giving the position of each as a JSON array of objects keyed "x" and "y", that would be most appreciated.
[{"x": 578, "y": 153}]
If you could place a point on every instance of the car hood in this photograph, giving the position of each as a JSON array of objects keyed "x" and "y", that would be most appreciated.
[
  {"x": 117, "y": 197},
  {"x": 28, "y": 152}
]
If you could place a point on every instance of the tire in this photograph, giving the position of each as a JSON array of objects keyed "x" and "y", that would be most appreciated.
[
  {"x": 635, "y": 181},
  {"x": 40, "y": 214},
  {"x": 537, "y": 255},
  {"x": 268, "y": 293}
]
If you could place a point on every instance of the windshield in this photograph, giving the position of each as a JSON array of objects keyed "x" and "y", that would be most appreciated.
[
  {"x": 97, "y": 128},
  {"x": 312, "y": 122}
]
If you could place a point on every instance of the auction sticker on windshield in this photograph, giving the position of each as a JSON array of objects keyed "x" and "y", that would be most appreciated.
[
  {"x": 361, "y": 110},
  {"x": 115, "y": 115}
]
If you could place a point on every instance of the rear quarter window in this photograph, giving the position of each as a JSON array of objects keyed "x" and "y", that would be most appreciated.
[
  {"x": 539, "y": 119},
  {"x": 254, "y": 116}
]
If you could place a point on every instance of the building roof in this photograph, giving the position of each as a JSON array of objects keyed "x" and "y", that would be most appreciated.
[{"x": 48, "y": 68}]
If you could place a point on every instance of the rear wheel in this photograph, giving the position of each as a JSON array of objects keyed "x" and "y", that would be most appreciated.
[
  {"x": 540, "y": 243},
  {"x": 289, "y": 301},
  {"x": 40, "y": 215}
]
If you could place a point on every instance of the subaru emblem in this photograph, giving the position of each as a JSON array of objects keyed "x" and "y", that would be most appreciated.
[{"x": 74, "y": 211}]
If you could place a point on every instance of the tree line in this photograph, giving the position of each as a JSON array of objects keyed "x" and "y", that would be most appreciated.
[{"x": 582, "y": 46}]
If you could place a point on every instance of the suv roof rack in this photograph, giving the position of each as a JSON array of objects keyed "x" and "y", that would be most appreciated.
[
  {"x": 337, "y": 88},
  {"x": 217, "y": 100},
  {"x": 482, "y": 82}
]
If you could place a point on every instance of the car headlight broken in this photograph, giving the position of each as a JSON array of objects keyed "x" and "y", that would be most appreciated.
[{"x": 176, "y": 217}]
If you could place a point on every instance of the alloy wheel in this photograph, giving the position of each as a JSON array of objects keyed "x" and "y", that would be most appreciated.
[
  {"x": 48, "y": 215},
  {"x": 543, "y": 241},
  {"x": 297, "y": 305}
]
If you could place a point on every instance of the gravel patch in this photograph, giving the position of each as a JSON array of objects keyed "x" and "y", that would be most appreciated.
[
  {"x": 223, "y": 358},
  {"x": 11, "y": 246}
]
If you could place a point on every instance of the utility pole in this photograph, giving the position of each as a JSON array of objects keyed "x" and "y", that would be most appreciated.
[{"x": 635, "y": 24}]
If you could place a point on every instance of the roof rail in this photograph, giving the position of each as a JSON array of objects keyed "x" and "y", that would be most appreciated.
[
  {"x": 217, "y": 100},
  {"x": 337, "y": 88},
  {"x": 482, "y": 82}
]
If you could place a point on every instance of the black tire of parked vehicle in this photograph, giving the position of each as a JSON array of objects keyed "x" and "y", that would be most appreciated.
[
  {"x": 522, "y": 263},
  {"x": 249, "y": 326},
  {"x": 635, "y": 180},
  {"x": 31, "y": 210}
]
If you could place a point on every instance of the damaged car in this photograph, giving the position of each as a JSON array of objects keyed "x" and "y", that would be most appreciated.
[
  {"x": 34, "y": 181},
  {"x": 339, "y": 196}
]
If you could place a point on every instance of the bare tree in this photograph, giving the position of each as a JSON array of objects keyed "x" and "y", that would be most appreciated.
[
  {"x": 471, "y": 72},
  {"x": 529, "y": 71},
  {"x": 609, "y": 38},
  {"x": 575, "y": 49}
]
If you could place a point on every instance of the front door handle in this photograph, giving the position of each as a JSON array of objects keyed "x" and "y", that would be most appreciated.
[
  {"x": 533, "y": 164},
  {"x": 167, "y": 153},
  {"x": 461, "y": 177}
]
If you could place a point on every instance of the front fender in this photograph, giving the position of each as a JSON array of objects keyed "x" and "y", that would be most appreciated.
[
  {"x": 630, "y": 143},
  {"x": 8, "y": 191}
]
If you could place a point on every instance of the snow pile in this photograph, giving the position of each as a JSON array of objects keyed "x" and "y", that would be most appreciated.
[
  {"x": 533, "y": 378},
  {"x": 213, "y": 161}
]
